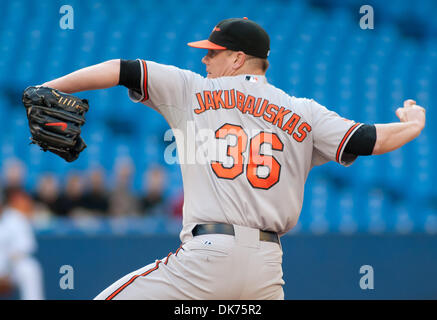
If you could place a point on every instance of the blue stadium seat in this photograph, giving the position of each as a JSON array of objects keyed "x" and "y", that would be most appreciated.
[{"x": 376, "y": 209}]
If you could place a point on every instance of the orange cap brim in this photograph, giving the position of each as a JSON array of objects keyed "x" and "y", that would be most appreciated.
[{"x": 206, "y": 44}]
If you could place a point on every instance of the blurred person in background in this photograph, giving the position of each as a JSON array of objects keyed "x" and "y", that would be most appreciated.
[
  {"x": 122, "y": 201},
  {"x": 177, "y": 205},
  {"x": 18, "y": 268},
  {"x": 71, "y": 200},
  {"x": 47, "y": 201},
  {"x": 14, "y": 172},
  {"x": 153, "y": 200},
  {"x": 6, "y": 285},
  {"x": 96, "y": 198}
]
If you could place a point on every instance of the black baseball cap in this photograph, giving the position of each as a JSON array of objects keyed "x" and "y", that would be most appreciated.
[{"x": 237, "y": 34}]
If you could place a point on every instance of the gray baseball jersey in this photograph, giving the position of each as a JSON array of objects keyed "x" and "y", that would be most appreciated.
[
  {"x": 245, "y": 150},
  {"x": 245, "y": 146}
]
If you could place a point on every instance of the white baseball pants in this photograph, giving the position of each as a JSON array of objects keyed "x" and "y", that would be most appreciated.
[{"x": 208, "y": 267}]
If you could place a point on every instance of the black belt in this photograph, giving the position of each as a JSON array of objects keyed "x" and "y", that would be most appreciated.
[{"x": 222, "y": 228}]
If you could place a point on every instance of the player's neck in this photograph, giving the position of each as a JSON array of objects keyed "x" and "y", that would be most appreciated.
[{"x": 247, "y": 70}]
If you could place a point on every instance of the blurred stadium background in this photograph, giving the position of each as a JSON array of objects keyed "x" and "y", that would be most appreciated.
[{"x": 318, "y": 50}]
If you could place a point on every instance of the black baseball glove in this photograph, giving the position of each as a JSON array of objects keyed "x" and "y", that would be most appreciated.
[{"x": 55, "y": 120}]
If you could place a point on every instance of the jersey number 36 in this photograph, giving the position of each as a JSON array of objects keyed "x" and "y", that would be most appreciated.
[{"x": 256, "y": 158}]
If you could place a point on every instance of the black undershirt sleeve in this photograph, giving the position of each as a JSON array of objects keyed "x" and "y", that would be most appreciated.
[
  {"x": 130, "y": 74},
  {"x": 362, "y": 142}
]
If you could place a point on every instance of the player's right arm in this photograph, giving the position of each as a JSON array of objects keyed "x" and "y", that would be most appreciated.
[
  {"x": 100, "y": 76},
  {"x": 391, "y": 136},
  {"x": 344, "y": 141}
]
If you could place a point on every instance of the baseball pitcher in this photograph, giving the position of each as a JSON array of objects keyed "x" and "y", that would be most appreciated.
[{"x": 245, "y": 148}]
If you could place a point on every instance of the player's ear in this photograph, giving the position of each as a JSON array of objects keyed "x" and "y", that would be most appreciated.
[{"x": 239, "y": 59}]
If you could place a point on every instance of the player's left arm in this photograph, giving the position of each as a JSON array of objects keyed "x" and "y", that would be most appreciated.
[
  {"x": 100, "y": 76},
  {"x": 382, "y": 138}
]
